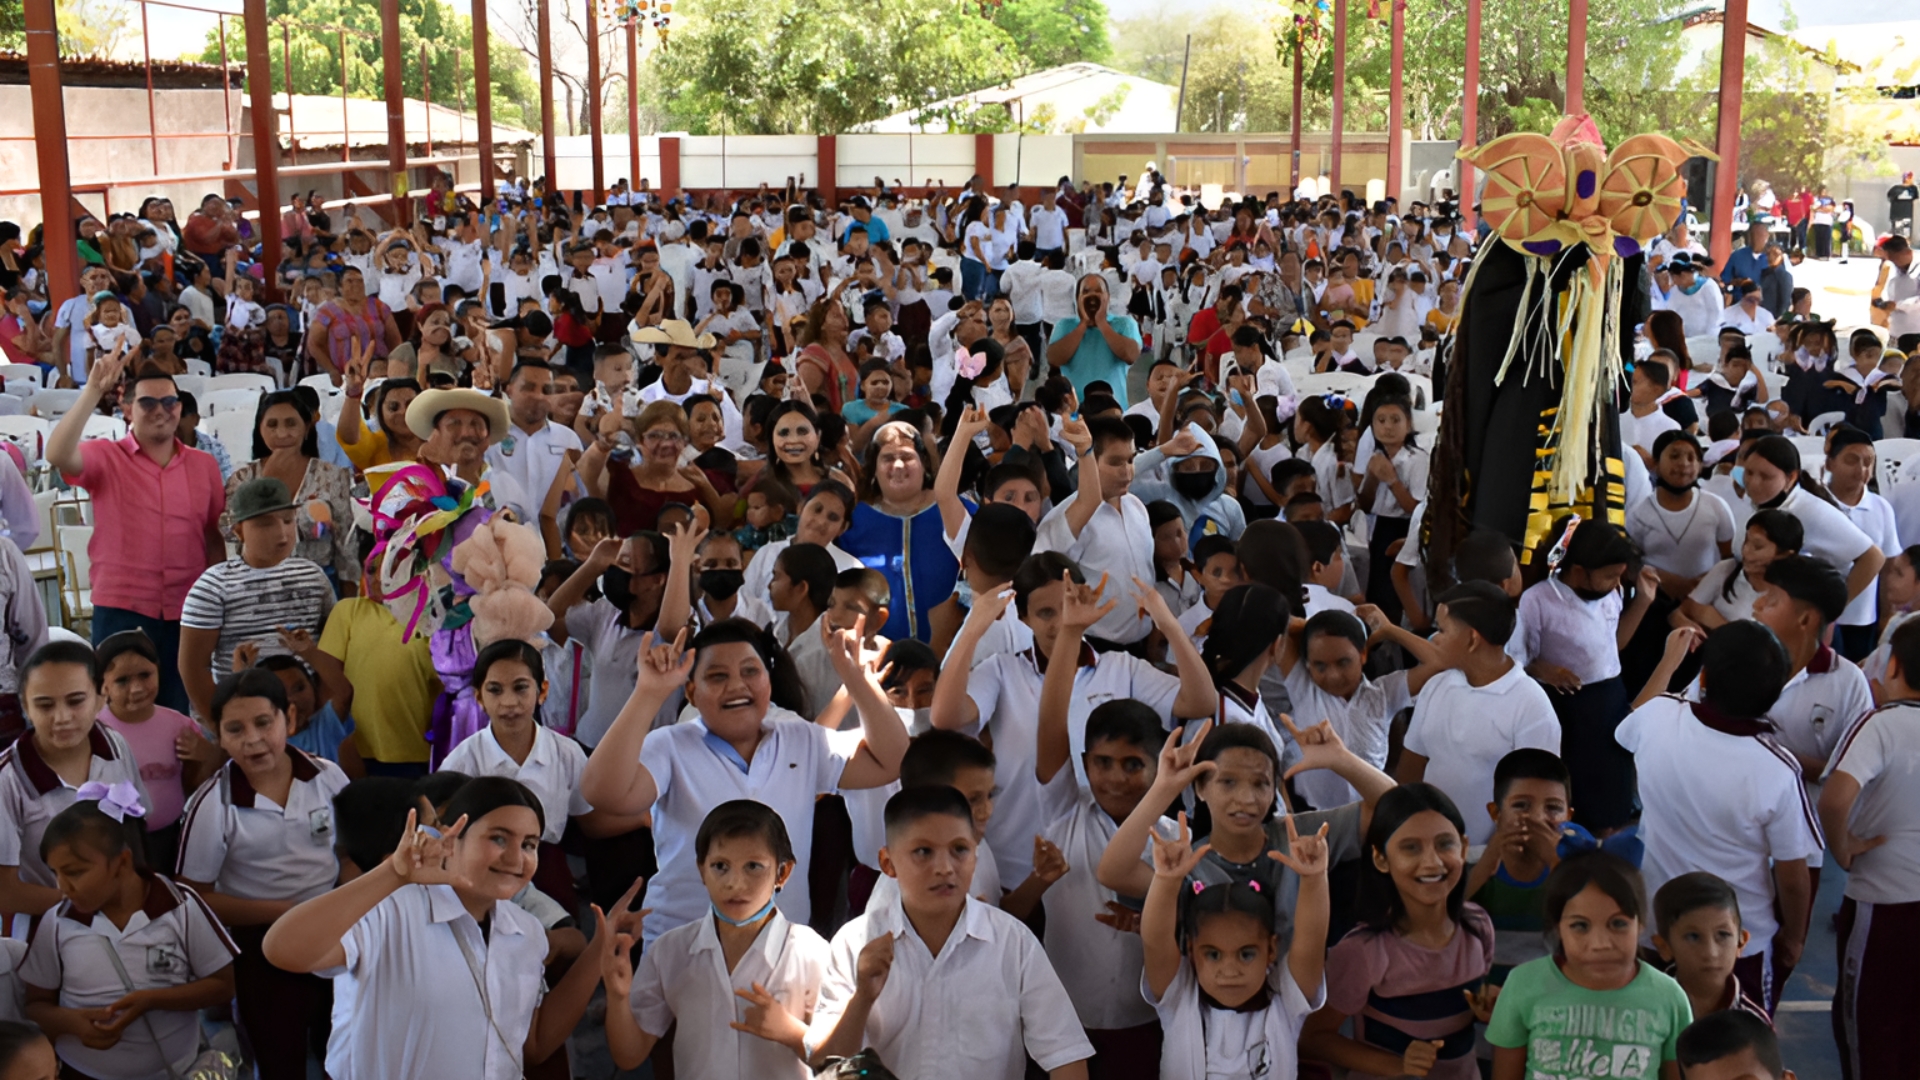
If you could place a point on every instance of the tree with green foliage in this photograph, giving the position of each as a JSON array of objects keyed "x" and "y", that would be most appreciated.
[
  {"x": 311, "y": 30},
  {"x": 1054, "y": 32}
]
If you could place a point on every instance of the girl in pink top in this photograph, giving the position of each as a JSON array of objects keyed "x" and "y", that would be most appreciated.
[
  {"x": 173, "y": 754},
  {"x": 1412, "y": 972}
]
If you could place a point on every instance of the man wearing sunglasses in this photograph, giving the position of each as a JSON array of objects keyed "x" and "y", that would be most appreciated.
[{"x": 156, "y": 511}]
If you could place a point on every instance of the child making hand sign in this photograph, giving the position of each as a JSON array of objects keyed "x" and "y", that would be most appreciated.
[{"x": 1212, "y": 962}]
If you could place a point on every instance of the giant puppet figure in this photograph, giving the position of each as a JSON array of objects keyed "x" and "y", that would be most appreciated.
[{"x": 1530, "y": 431}]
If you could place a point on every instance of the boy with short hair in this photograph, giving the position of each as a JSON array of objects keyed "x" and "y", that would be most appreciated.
[
  {"x": 613, "y": 391},
  {"x": 1697, "y": 930},
  {"x": 938, "y": 759},
  {"x": 999, "y": 538},
  {"x": 857, "y": 594},
  {"x": 1825, "y": 692},
  {"x": 720, "y": 572},
  {"x": 1218, "y": 570},
  {"x": 908, "y": 978},
  {"x": 1531, "y": 804},
  {"x": 265, "y": 595},
  {"x": 1324, "y": 663},
  {"x": 1870, "y": 807},
  {"x": 1731, "y": 1045},
  {"x": 1480, "y": 710},
  {"x": 1328, "y": 549},
  {"x": 1752, "y": 824},
  {"x": 773, "y": 507},
  {"x": 1103, "y": 528}
]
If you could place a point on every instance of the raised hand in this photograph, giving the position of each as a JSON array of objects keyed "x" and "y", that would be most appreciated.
[
  {"x": 683, "y": 540},
  {"x": 1183, "y": 444},
  {"x": 1177, "y": 857},
  {"x": 107, "y": 370},
  {"x": 1049, "y": 865},
  {"x": 874, "y": 964},
  {"x": 663, "y": 667},
  {"x": 1320, "y": 746},
  {"x": 1147, "y": 601},
  {"x": 1074, "y": 431},
  {"x": 294, "y": 639},
  {"x": 421, "y": 858},
  {"x": 989, "y": 606},
  {"x": 245, "y": 655},
  {"x": 615, "y": 955},
  {"x": 768, "y": 1019},
  {"x": 1177, "y": 768},
  {"x": 846, "y": 650},
  {"x": 973, "y": 421},
  {"x": 605, "y": 553},
  {"x": 1647, "y": 584},
  {"x": 1082, "y": 607},
  {"x": 1481, "y": 1001},
  {"x": 1682, "y": 640},
  {"x": 1305, "y": 855}
]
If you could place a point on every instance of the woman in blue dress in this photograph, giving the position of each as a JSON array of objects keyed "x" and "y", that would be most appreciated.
[{"x": 897, "y": 530}]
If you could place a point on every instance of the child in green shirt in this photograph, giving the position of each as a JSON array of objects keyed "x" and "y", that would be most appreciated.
[{"x": 1592, "y": 1010}]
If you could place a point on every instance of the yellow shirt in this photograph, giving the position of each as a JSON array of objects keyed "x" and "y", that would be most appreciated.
[
  {"x": 393, "y": 682},
  {"x": 1442, "y": 322},
  {"x": 370, "y": 450}
]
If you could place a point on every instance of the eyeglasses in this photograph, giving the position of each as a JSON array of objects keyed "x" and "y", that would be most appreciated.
[
  {"x": 663, "y": 437},
  {"x": 158, "y": 404}
]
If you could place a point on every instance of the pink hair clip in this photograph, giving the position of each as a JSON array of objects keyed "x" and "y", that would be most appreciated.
[
  {"x": 1198, "y": 888},
  {"x": 970, "y": 365},
  {"x": 1254, "y": 885}
]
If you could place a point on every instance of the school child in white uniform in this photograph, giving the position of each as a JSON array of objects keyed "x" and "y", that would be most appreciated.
[
  {"x": 121, "y": 930},
  {"x": 744, "y": 964},
  {"x": 40, "y": 773},
  {"x": 1324, "y": 664},
  {"x": 938, "y": 984},
  {"x": 1001, "y": 695},
  {"x": 1576, "y": 624},
  {"x": 1482, "y": 709},
  {"x": 256, "y": 839},
  {"x": 1229, "y": 1003},
  {"x": 421, "y": 987},
  {"x": 746, "y": 742},
  {"x": 509, "y": 681},
  {"x": 950, "y": 759}
]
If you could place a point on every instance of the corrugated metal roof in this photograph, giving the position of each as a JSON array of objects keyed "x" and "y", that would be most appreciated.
[{"x": 317, "y": 121}]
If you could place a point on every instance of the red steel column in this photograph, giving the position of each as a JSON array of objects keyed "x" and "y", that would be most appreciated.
[
  {"x": 591, "y": 99},
  {"x": 829, "y": 166},
  {"x": 1726, "y": 175},
  {"x": 545, "y": 31},
  {"x": 396, "y": 94},
  {"x": 483, "y": 98},
  {"x": 1577, "y": 57},
  {"x": 983, "y": 160},
  {"x": 1339, "y": 91},
  {"x": 50, "y": 149},
  {"x": 633, "y": 103},
  {"x": 669, "y": 166},
  {"x": 1469, "y": 114},
  {"x": 1295, "y": 156},
  {"x": 1396, "y": 99},
  {"x": 266, "y": 140}
]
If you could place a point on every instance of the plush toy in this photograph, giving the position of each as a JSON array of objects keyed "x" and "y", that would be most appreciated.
[{"x": 500, "y": 561}]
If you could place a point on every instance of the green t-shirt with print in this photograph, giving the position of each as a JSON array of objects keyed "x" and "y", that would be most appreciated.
[{"x": 1572, "y": 1033}]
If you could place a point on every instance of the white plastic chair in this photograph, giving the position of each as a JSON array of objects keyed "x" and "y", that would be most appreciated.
[
  {"x": 76, "y": 572},
  {"x": 12, "y": 406},
  {"x": 30, "y": 372},
  {"x": 240, "y": 380},
  {"x": 1813, "y": 453},
  {"x": 24, "y": 389},
  {"x": 41, "y": 557},
  {"x": 104, "y": 427},
  {"x": 53, "y": 404},
  {"x": 1891, "y": 459},
  {"x": 192, "y": 384},
  {"x": 219, "y": 400},
  {"x": 1819, "y": 425},
  {"x": 235, "y": 432},
  {"x": 1345, "y": 382},
  {"x": 200, "y": 368},
  {"x": 27, "y": 432}
]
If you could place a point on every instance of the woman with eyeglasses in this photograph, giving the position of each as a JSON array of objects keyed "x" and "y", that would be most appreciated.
[
  {"x": 640, "y": 486},
  {"x": 286, "y": 448}
]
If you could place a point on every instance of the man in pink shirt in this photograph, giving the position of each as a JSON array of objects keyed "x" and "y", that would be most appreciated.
[{"x": 156, "y": 511}]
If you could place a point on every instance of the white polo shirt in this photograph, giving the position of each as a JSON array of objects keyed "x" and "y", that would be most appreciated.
[
  {"x": 174, "y": 939},
  {"x": 1116, "y": 542},
  {"x": 1685, "y": 542},
  {"x": 683, "y": 977},
  {"x": 1361, "y": 722},
  {"x": 1008, "y": 634},
  {"x": 1006, "y": 690},
  {"x": 1831, "y": 536},
  {"x": 552, "y": 772},
  {"x": 406, "y": 1002},
  {"x": 1820, "y": 704},
  {"x": 244, "y": 845},
  {"x": 994, "y": 994},
  {"x": 1642, "y": 431},
  {"x": 1874, "y": 517},
  {"x": 1882, "y": 752},
  {"x": 759, "y": 573},
  {"x": 533, "y": 460},
  {"x": 1752, "y": 814},
  {"x": 1463, "y": 731},
  {"x": 1202, "y": 1042},
  {"x": 695, "y": 771},
  {"x": 31, "y": 793},
  {"x": 1099, "y": 966},
  {"x": 1563, "y": 629},
  {"x": 614, "y": 651}
]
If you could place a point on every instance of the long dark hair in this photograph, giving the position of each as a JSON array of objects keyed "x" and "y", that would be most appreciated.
[
  {"x": 1779, "y": 452},
  {"x": 1378, "y": 908},
  {"x": 1782, "y": 528},
  {"x": 1248, "y": 621},
  {"x": 309, "y": 446},
  {"x": 788, "y": 691},
  {"x": 776, "y": 467}
]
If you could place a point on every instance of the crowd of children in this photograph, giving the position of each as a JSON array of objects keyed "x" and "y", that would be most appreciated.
[{"x": 915, "y": 702}]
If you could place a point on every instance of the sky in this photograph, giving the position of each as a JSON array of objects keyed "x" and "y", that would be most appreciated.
[{"x": 178, "y": 32}]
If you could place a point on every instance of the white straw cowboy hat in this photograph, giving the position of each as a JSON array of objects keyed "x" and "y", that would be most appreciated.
[
  {"x": 673, "y": 332},
  {"x": 425, "y": 410}
]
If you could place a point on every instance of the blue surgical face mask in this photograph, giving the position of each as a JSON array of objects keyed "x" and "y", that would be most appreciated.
[{"x": 1739, "y": 475}]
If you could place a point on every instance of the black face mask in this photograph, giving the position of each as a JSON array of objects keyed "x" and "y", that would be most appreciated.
[
  {"x": 1590, "y": 595},
  {"x": 722, "y": 584},
  {"x": 1677, "y": 489},
  {"x": 617, "y": 586},
  {"x": 1194, "y": 486}
]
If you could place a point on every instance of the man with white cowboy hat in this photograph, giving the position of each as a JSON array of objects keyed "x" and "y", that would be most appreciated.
[
  {"x": 684, "y": 373},
  {"x": 675, "y": 344},
  {"x": 455, "y": 427}
]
